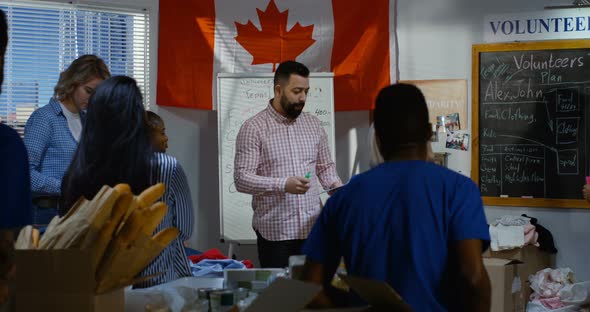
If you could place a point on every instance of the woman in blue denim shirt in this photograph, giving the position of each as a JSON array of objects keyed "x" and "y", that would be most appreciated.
[{"x": 52, "y": 132}]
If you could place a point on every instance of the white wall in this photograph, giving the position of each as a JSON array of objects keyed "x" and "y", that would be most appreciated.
[{"x": 435, "y": 39}]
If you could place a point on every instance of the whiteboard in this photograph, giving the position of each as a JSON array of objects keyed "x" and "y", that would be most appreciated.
[{"x": 239, "y": 97}]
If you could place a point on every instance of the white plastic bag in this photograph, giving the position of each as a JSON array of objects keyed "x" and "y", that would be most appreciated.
[{"x": 548, "y": 282}]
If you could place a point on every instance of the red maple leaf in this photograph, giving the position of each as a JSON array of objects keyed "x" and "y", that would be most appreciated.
[{"x": 273, "y": 43}]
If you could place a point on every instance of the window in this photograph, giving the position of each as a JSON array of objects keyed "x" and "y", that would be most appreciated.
[{"x": 45, "y": 37}]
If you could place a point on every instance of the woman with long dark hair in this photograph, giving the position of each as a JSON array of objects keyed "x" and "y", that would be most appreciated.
[{"x": 115, "y": 148}]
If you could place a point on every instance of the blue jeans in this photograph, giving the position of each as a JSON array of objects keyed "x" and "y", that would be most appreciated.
[{"x": 42, "y": 216}]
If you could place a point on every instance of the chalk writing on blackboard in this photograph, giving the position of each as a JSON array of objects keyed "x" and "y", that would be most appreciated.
[{"x": 532, "y": 116}]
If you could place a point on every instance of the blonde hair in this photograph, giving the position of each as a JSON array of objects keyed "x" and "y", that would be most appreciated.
[{"x": 82, "y": 70}]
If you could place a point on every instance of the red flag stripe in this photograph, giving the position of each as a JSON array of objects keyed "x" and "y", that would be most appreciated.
[
  {"x": 360, "y": 54},
  {"x": 185, "y": 54}
]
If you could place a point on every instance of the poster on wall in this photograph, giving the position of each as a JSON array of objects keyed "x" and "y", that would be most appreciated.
[{"x": 445, "y": 97}]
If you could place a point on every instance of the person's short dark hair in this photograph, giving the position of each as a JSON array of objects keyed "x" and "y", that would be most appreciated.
[
  {"x": 401, "y": 118},
  {"x": 288, "y": 68},
  {"x": 153, "y": 120}
]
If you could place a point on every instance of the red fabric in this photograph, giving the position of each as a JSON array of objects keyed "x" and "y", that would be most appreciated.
[
  {"x": 248, "y": 264},
  {"x": 215, "y": 254}
]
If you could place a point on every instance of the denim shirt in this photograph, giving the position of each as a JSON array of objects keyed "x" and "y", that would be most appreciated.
[{"x": 50, "y": 146}]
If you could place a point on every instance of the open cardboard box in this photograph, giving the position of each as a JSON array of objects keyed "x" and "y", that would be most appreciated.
[
  {"x": 60, "y": 280},
  {"x": 508, "y": 294},
  {"x": 287, "y": 295},
  {"x": 533, "y": 260}
]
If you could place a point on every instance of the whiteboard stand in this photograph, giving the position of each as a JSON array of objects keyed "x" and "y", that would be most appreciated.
[{"x": 234, "y": 244}]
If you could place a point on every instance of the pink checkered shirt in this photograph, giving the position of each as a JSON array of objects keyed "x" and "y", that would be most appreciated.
[{"x": 269, "y": 149}]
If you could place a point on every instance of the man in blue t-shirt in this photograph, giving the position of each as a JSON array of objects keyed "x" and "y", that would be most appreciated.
[
  {"x": 15, "y": 187},
  {"x": 409, "y": 222}
]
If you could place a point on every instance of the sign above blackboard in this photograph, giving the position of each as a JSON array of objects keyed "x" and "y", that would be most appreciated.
[
  {"x": 530, "y": 115},
  {"x": 539, "y": 25}
]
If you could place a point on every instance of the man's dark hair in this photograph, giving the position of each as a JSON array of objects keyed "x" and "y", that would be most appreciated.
[
  {"x": 401, "y": 118},
  {"x": 287, "y": 68}
]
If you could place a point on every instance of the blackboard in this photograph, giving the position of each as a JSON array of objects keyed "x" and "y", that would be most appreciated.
[{"x": 530, "y": 120}]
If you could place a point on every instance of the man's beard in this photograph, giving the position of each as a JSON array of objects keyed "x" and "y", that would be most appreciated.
[{"x": 290, "y": 108}]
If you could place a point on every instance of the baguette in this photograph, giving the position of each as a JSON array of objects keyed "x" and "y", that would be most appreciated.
[
  {"x": 122, "y": 267},
  {"x": 131, "y": 228},
  {"x": 153, "y": 217},
  {"x": 130, "y": 209},
  {"x": 52, "y": 224},
  {"x": 73, "y": 234},
  {"x": 25, "y": 238},
  {"x": 99, "y": 217},
  {"x": 166, "y": 236},
  {"x": 106, "y": 233},
  {"x": 74, "y": 209},
  {"x": 35, "y": 238},
  {"x": 62, "y": 231},
  {"x": 123, "y": 188},
  {"x": 116, "y": 263},
  {"x": 103, "y": 206},
  {"x": 150, "y": 195}
]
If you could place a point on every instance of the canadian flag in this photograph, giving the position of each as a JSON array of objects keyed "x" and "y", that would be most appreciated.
[{"x": 201, "y": 38}]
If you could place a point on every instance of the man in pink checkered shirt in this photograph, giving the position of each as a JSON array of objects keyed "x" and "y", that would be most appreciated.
[{"x": 279, "y": 153}]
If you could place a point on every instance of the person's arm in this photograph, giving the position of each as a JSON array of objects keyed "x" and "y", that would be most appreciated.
[
  {"x": 15, "y": 191},
  {"x": 15, "y": 185},
  {"x": 473, "y": 277},
  {"x": 323, "y": 255},
  {"x": 469, "y": 237},
  {"x": 246, "y": 163},
  {"x": 183, "y": 213},
  {"x": 325, "y": 166},
  {"x": 37, "y": 139},
  {"x": 329, "y": 297}
]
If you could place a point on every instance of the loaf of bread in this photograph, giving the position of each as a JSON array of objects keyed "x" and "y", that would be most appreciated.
[{"x": 116, "y": 226}]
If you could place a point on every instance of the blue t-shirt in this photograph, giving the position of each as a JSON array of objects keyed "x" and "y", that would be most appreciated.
[
  {"x": 395, "y": 223},
  {"x": 15, "y": 183}
]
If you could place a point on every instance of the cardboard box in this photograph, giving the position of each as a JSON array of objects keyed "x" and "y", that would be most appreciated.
[
  {"x": 507, "y": 291},
  {"x": 60, "y": 280},
  {"x": 288, "y": 295},
  {"x": 533, "y": 259}
]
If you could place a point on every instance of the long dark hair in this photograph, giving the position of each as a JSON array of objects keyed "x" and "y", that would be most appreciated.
[{"x": 114, "y": 145}]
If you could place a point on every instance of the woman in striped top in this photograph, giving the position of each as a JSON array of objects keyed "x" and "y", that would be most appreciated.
[{"x": 115, "y": 148}]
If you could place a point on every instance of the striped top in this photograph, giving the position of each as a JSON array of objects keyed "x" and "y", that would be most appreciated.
[
  {"x": 269, "y": 149},
  {"x": 50, "y": 146},
  {"x": 172, "y": 261}
]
